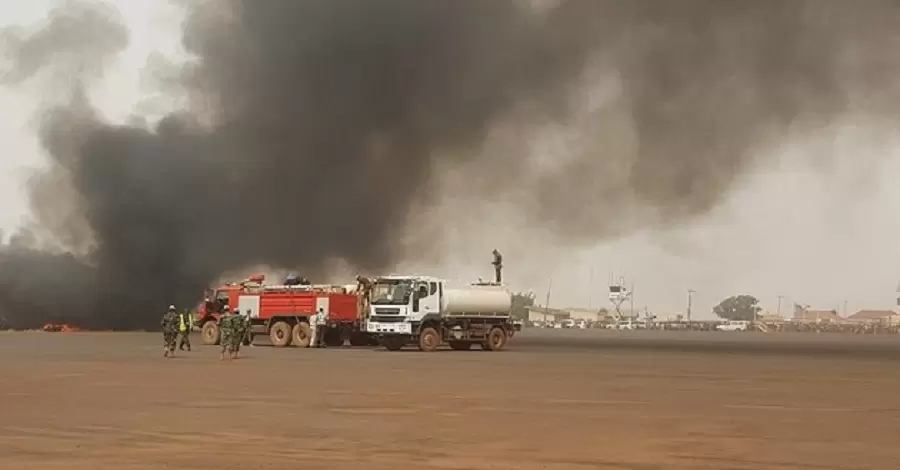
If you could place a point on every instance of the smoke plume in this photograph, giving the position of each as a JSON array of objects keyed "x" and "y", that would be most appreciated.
[{"x": 315, "y": 126}]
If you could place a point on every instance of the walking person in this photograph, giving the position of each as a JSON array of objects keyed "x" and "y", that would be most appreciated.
[
  {"x": 185, "y": 327},
  {"x": 227, "y": 326},
  {"x": 169, "y": 326},
  {"x": 241, "y": 325}
]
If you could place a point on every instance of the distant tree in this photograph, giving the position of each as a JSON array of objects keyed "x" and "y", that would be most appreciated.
[
  {"x": 738, "y": 307},
  {"x": 520, "y": 303}
]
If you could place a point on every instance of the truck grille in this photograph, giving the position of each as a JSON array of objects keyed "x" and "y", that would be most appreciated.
[
  {"x": 387, "y": 311},
  {"x": 388, "y": 319}
]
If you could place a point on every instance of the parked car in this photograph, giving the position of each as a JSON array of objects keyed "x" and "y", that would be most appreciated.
[{"x": 735, "y": 325}]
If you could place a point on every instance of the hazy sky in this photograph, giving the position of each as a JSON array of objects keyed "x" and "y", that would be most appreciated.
[{"x": 818, "y": 226}]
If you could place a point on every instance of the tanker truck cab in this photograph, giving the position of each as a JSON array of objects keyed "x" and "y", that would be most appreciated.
[
  {"x": 423, "y": 310},
  {"x": 401, "y": 304}
]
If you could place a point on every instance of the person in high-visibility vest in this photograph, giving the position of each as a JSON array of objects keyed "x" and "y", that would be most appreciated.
[
  {"x": 185, "y": 326},
  {"x": 318, "y": 325}
]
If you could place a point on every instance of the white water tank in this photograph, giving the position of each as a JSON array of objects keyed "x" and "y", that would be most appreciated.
[{"x": 477, "y": 299}]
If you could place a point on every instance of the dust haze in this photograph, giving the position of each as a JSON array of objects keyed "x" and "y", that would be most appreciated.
[{"x": 371, "y": 135}]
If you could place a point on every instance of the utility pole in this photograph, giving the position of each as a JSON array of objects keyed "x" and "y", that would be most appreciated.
[
  {"x": 631, "y": 300},
  {"x": 778, "y": 311},
  {"x": 549, "y": 286},
  {"x": 690, "y": 293},
  {"x": 591, "y": 290},
  {"x": 845, "y": 310}
]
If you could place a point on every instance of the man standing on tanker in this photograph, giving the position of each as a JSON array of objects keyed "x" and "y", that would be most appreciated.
[
  {"x": 169, "y": 326},
  {"x": 498, "y": 266}
]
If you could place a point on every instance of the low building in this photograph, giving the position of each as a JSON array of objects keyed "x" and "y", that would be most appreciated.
[
  {"x": 584, "y": 314},
  {"x": 623, "y": 314},
  {"x": 769, "y": 318},
  {"x": 818, "y": 316},
  {"x": 889, "y": 317},
  {"x": 544, "y": 314}
]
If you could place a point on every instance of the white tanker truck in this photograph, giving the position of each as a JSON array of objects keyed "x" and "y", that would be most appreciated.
[{"x": 423, "y": 310}]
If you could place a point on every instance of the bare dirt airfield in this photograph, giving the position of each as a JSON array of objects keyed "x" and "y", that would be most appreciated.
[{"x": 553, "y": 400}]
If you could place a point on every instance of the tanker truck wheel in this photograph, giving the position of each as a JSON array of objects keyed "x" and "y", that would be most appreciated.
[
  {"x": 429, "y": 340},
  {"x": 496, "y": 340},
  {"x": 360, "y": 339},
  {"x": 300, "y": 335},
  {"x": 280, "y": 334},
  {"x": 210, "y": 333},
  {"x": 393, "y": 343}
]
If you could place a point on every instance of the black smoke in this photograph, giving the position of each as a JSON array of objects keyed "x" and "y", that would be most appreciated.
[{"x": 314, "y": 125}]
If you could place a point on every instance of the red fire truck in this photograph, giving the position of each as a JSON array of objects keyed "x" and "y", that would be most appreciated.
[{"x": 284, "y": 312}]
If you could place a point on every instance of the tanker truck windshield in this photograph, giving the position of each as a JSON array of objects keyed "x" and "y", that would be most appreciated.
[{"x": 391, "y": 292}]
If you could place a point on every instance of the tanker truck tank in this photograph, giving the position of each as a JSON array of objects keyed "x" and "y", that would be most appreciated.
[{"x": 477, "y": 300}]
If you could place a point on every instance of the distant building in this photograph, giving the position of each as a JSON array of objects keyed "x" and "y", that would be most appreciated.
[
  {"x": 584, "y": 314},
  {"x": 624, "y": 314},
  {"x": 769, "y": 317},
  {"x": 875, "y": 316},
  {"x": 806, "y": 315},
  {"x": 544, "y": 314}
]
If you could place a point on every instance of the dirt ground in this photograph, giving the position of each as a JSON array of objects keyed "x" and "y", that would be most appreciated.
[{"x": 554, "y": 400}]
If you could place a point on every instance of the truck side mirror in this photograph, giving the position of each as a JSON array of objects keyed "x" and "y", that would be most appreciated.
[{"x": 415, "y": 300}]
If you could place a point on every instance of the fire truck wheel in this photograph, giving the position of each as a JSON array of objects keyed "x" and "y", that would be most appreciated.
[
  {"x": 210, "y": 333},
  {"x": 460, "y": 345},
  {"x": 301, "y": 335},
  {"x": 429, "y": 340},
  {"x": 333, "y": 338},
  {"x": 280, "y": 334},
  {"x": 496, "y": 340}
]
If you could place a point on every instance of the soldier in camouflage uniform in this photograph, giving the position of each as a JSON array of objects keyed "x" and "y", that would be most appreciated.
[
  {"x": 227, "y": 327},
  {"x": 169, "y": 325},
  {"x": 241, "y": 325},
  {"x": 248, "y": 334}
]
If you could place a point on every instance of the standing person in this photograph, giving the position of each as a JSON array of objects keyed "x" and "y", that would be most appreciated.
[
  {"x": 498, "y": 266},
  {"x": 169, "y": 325},
  {"x": 226, "y": 326},
  {"x": 317, "y": 324},
  {"x": 248, "y": 332},
  {"x": 321, "y": 319},
  {"x": 241, "y": 325},
  {"x": 185, "y": 326}
]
